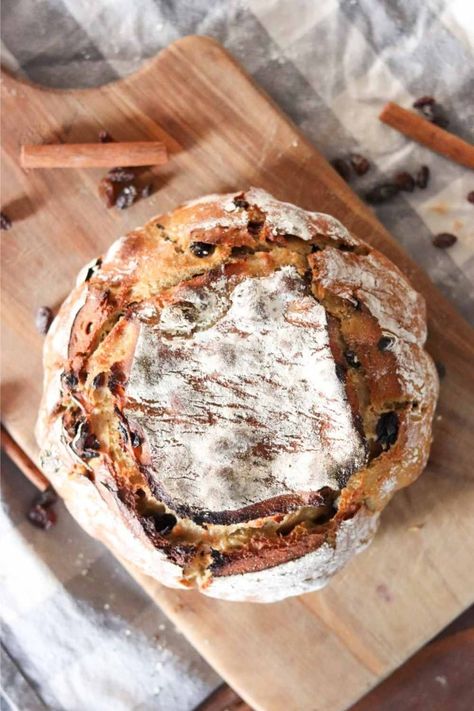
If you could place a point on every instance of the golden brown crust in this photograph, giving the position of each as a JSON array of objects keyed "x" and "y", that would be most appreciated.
[{"x": 177, "y": 286}]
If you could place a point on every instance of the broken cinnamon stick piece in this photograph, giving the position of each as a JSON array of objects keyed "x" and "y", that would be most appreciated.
[
  {"x": 430, "y": 135},
  {"x": 93, "y": 155}
]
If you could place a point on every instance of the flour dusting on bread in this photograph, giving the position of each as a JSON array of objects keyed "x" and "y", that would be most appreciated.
[{"x": 234, "y": 392}]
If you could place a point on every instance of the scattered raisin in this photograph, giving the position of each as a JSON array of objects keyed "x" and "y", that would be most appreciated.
[
  {"x": 441, "y": 368},
  {"x": 41, "y": 513},
  {"x": 404, "y": 181},
  {"x": 146, "y": 190},
  {"x": 422, "y": 177},
  {"x": 42, "y": 518},
  {"x": 48, "y": 497},
  {"x": 315, "y": 248},
  {"x": 470, "y": 196},
  {"x": 107, "y": 192},
  {"x": 385, "y": 343},
  {"x": 43, "y": 319},
  {"x": 340, "y": 372},
  {"x": 444, "y": 240},
  {"x": 105, "y": 137},
  {"x": 5, "y": 222},
  {"x": 431, "y": 110},
  {"x": 126, "y": 197},
  {"x": 202, "y": 249},
  {"x": 343, "y": 168},
  {"x": 121, "y": 175},
  {"x": 381, "y": 193},
  {"x": 424, "y": 101},
  {"x": 387, "y": 429},
  {"x": 240, "y": 202},
  {"x": 352, "y": 359},
  {"x": 360, "y": 164}
]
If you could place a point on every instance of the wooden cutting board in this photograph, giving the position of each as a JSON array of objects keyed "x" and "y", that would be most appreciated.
[{"x": 324, "y": 650}]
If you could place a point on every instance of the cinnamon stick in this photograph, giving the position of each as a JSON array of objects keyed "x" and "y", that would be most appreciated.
[
  {"x": 22, "y": 460},
  {"x": 93, "y": 155},
  {"x": 428, "y": 134}
]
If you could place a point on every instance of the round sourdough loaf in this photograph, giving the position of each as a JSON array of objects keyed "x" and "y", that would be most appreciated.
[{"x": 233, "y": 393}]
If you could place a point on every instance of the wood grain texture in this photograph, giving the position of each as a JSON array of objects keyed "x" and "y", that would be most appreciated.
[{"x": 320, "y": 651}]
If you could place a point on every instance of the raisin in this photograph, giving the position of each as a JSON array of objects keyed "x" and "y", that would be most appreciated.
[
  {"x": 123, "y": 431},
  {"x": 126, "y": 197},
  {"x": 164, "y": 523},
  {"x": 441, "y": 368},
  {"x": 42, "y": 518},
  {"x": 432, "y": 111},
  {"x": 95, "y": 267},
  {"x": 340, "y": 372},
  {"x": 404, "y": 181},
  {"x": 5, "y": 222},
  {"x": 41, "y": 513},
  {"x": 99, "y": 380},
  {"x": 352, "y": 359},
  {"x": 105, "y": 137},
  {"x": 135, "y": 439},
  {"x": 43, "y": 319},
  {"x": 424, "y": 101},
  {"x": 387, "y": 429},
  {"x": 240, "y": 202},
  {"x": 381, "y": 193},
  {"x": 315, "y": 248},
  {"x": 146, "y": 190},
  {"x": 360, "y": 164},
  {"x": 47, "y": 498},
  {"x": 69, "y": 379},
  {"x": 470, "y": 197},
  {"x": 121, "y": 175},
  {"x": 218, "y": 558},
  {"x": 254, "y": 227},
  {"x": 385, "y": 343},
  {"x": 202, "y": 249},
  {"x": 343, "y": 168},
  {"x": 107, "y": 192},
  {"x": 422, "y": 177},
  {"x": 85, "y": 443},
  {"x": 117, "y": 379},
  {"x": 444, "y": 240}
]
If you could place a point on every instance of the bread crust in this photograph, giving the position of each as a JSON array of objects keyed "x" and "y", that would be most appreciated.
[{"x": 233, "y": 393}]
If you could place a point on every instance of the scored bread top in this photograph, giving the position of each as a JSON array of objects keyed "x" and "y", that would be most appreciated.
[
  {"x": 238, "y": 397},
  {"x": 235, "y": 380}
]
